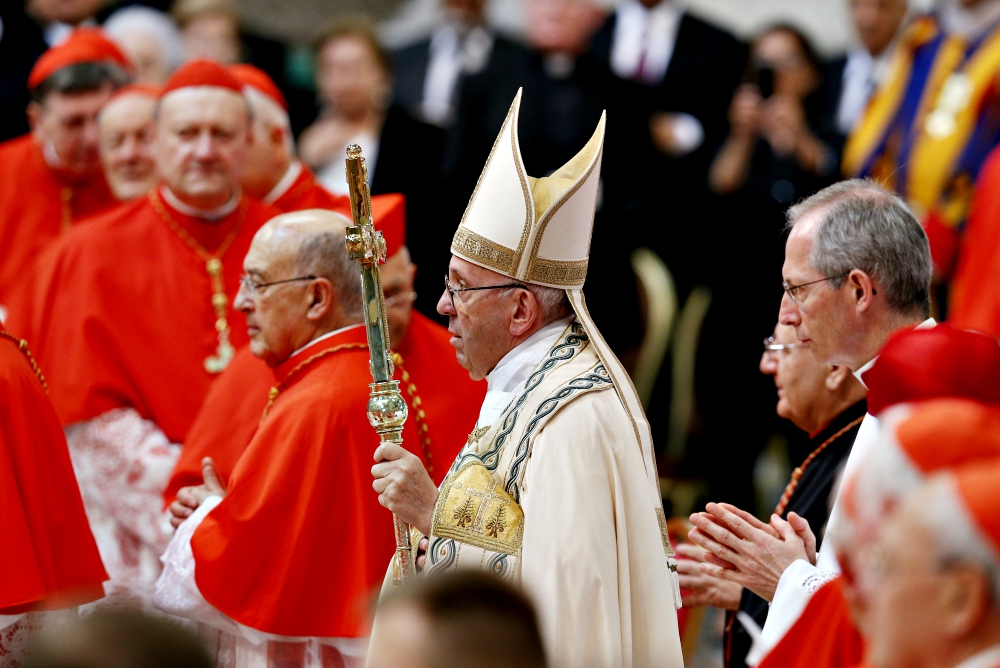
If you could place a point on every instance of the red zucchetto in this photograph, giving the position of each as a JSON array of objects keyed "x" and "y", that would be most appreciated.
[
  {"x": 248, "y": 75},
  {"x": 389, "y": 214},
  {"x": 84, "y": 45},
  {"x": 201, "y": 72},
  {"x": 942, "y": 361}
]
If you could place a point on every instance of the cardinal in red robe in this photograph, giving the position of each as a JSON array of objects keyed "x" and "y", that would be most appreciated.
[
  {"x": 283, "y": 558},
  {"x": 273, "y": 174},
  {"x": 48, "y": 559},
  {"x": 51, "y": 178},
  {"x": 442, "y": 399},
  {"x": 132, "y": 315}
]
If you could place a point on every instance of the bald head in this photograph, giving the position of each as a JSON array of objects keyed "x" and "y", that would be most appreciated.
[
  {"x": 125, "y": 132},
  {"x": 301, "y": 283}
]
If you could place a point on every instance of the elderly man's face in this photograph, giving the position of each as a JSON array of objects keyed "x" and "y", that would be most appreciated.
[
  {"x": 276, "y": 315},
  {"x": 479, "y": 321},
  {"x": 823, "y": 317},
  {"x": 69, "y": 123},
  {"x": 398, "y": 273},
  {"x": 907, "y": 592},
  {"x": 800, "y": 380},
  {"x": 203, "y": 140},
  {"x": 127, "y": 145}
]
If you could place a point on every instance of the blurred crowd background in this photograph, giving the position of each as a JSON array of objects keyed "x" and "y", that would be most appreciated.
[{"x": 723, "y": 115}]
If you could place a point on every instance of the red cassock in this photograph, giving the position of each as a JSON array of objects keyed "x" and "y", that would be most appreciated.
[
  {"x": 300, "y": 541},
  {"x": 306, "y": 193},
  {"x": 824, "y": 636},
  {"x": 48, "y": 556},
  {"x": 38, "y": 202},
  {"x": 975, "y": 289},
  {"x": 449, "y": 399},
  {"x": 121, "y": 310}
]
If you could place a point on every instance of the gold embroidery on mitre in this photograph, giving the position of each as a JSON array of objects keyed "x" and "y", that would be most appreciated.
[
  {"x": 557, "y": 272},
  {"x": 472, "y": 508},
  {"x": 504, "y": 265},
  {"x": 477, "y": 248}
]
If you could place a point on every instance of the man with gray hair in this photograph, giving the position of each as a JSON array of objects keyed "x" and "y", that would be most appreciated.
[
  {"x": 273, "y": 173},
  {"x": 933, "y": 598},
  {"x": 857, "y": 268},
  {"x": 269, "y": 548}
]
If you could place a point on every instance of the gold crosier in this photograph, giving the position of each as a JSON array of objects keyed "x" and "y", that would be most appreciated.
[
  {"x": 386, "y": 408},
  {"x": 213, "y": 266}
]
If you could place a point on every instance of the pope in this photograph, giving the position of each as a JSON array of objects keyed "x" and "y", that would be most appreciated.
[
  {"x": 131, "y": 315},
  {"x": 556, "y": 489}
]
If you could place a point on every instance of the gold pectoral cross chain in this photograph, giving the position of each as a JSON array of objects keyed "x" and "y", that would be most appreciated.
[{"x": 213, "y": 266}]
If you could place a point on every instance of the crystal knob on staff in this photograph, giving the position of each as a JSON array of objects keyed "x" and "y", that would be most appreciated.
[{"x": 386, "y": 408}]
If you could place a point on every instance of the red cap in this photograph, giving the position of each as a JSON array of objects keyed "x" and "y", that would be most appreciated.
[
  {"x": 977, "y": 489},
  {"x": 941, "y": 361},
  {"x": 944, "y": 433},
  {"x": 248, "y": 75},
  {"x": 148, "y": 90},
  {"x": 84, "y": 45},
  {"x": 201, "y": 73},
  {"x": 389, "y": 216}
]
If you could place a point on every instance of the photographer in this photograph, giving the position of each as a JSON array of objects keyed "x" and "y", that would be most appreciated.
[{"x": 781, "y": 136}]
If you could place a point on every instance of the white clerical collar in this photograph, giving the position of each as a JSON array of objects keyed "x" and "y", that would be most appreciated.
[
  {"x": 282, "y": 186},
  {"x": 926, "y": 324},
  {"x": 514, "y": 369},
  {"x": 52, "y": 158},
  {"x": 970, "y": 22},
  {"x": 986, "y": 659},
  {"x": 210, "y": 214},
  {"x": 325, "y": 337}
]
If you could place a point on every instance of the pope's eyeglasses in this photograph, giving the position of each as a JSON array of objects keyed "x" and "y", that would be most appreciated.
[{"x": 452, "y": 291}]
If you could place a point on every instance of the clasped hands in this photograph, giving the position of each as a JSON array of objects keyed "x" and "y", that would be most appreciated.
[
  {"x": 189, "y": 498},
  {"x": 405, "y": 488},
  {"x": 740, "y": 549}
]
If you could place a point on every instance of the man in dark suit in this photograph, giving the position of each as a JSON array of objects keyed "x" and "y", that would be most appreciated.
[
  {"x": 428, "y": 74},
  {"x": 685, "y": 72}
]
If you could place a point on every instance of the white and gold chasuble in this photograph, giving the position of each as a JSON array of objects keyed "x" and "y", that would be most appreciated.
[
  {"x": 554, "y": 497},
  {"x": 560, "y": 493}
]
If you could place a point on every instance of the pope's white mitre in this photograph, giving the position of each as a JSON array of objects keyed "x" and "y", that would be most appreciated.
[{"x": 534, "y": 230}]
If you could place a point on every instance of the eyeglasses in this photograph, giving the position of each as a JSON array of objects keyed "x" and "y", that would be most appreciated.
[
  {"x": 401, "y": 298},
  {"x": 793, "y": 289},
  {"x": 254, "y": 287},
  {"x": 770, "y": 346},
  {"x": 452, "y": 291}
]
